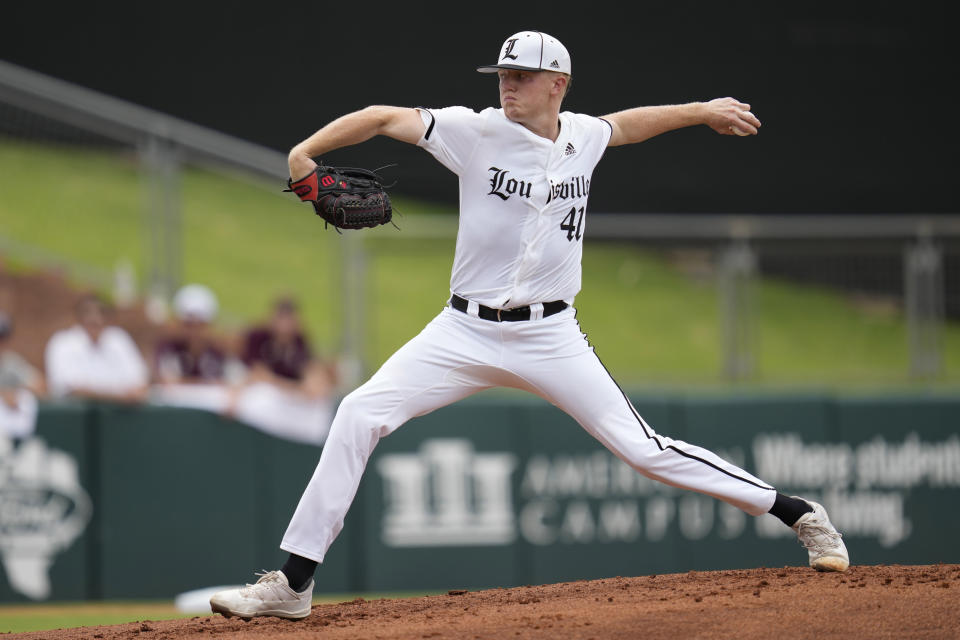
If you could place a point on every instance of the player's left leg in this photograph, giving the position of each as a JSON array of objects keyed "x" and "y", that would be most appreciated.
[{"x": 554, "y": 357}]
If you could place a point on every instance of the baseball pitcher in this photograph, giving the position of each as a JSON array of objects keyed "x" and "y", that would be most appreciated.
[{"x": 525, "y": 177}]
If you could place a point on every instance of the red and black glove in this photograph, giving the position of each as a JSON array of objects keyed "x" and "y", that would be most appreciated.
[{"x": 344, "y": 197}]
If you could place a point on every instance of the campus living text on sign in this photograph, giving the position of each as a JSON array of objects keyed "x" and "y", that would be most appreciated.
[{"x": 448, "y": 494}]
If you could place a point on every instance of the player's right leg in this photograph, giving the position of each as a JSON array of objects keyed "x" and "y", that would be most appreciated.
[{"x": 447, "y": 361}]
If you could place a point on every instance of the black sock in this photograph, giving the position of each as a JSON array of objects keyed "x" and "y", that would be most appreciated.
[
  {"x": 789, "y": 509},
  {"x": 298, "y": 570}
]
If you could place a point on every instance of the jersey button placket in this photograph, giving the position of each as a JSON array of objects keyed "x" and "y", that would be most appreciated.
[{"x": 529, "y": 253}]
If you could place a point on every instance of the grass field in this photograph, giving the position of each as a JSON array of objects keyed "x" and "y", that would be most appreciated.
[
  {"x": 67, "y": 615},
  {"x": 20, "y": 618},
  {"x": 651, "y": 323}
]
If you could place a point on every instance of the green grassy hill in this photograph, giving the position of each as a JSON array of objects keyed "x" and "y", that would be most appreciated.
[{"x": 651, "y": 323}]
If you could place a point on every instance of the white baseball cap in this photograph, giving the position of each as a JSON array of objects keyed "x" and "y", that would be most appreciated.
[
  {"x": 531, "y": 51},
  {"x": 195, "y": 302}
]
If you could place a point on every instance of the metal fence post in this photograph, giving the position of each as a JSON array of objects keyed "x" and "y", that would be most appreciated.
[
  {"x": 924, "y": 301},
  {"x": 737, "y": 268},
  {"x": 162, "y": 222},
  {"x": 354, "y": 286}
]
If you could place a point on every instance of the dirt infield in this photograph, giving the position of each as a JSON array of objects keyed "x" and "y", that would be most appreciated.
[{"x": 865, "y": 602}]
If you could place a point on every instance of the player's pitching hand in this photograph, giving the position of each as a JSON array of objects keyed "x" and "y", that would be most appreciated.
[{"x": 731, "y": 117}]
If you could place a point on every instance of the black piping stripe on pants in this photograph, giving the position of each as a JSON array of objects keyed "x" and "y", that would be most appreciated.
[{"x": 646, "y": 428}]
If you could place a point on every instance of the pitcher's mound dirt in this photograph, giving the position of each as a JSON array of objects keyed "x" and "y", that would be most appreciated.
[{"x": 865, "y": 602}]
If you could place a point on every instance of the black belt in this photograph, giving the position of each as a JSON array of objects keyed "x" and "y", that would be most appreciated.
[{"x": 507, "y": 315}]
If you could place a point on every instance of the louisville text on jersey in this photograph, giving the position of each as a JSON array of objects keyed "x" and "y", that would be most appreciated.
[
  {"x": 504, "y": 187},
  {"x": 577, "y": 187}
]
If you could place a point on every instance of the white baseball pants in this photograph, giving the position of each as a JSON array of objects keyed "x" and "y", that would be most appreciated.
[{"x": 457, "y": 355}]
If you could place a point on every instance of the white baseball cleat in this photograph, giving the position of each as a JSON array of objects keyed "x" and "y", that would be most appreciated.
[
  {"x": 270, "y": 596},
  {"x": 822, "y": 541}
]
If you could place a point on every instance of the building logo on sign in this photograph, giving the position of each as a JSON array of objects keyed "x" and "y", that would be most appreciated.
[
  {"x": 447, "y": 494},
  {"x": 43, "y": 509}
]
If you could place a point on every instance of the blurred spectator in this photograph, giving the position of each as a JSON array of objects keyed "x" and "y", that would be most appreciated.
[
  {"x": 279, "y": 353},
  {"x": 287, "y": 390},
  {"x": 191, "y": 354},
  {"x": 192, "y": 365},
  {"x": 20, "y": 384},
  {"x": 94, "y": 360}
]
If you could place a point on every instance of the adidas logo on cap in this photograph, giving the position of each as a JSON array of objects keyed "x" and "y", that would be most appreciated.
[
  {"x": 570, "y": 150},
  {"x": 554, "y": 65}
]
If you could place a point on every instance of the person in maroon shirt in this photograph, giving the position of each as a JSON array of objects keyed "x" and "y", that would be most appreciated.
[
  {"x": 279, "y": 353},
  {"x": 190, "y": 354}
]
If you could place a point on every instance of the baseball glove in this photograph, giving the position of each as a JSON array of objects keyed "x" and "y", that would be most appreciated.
[{"x": 344, "y": 197}]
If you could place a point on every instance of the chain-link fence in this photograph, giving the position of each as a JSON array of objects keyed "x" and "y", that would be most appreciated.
[
  {"x": 874, "y": 296},
  {"x": 138, "y": 203}
]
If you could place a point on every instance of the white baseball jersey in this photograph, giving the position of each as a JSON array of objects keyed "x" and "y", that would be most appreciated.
[{"x": 523, "y": 200}]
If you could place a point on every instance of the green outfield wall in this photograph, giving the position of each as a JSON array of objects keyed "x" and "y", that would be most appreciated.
[{"x": 499, "y": 490}]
